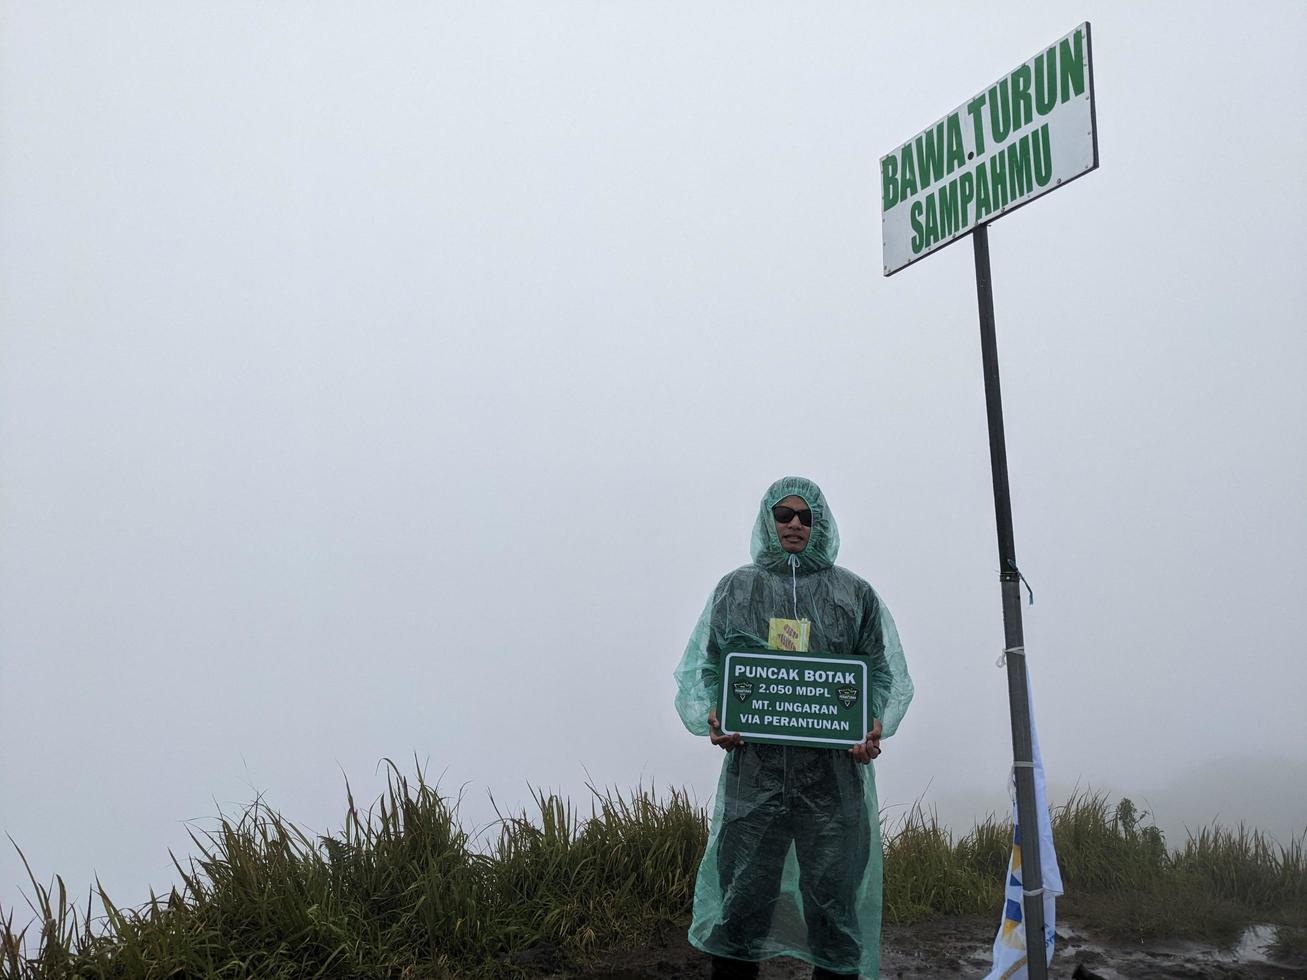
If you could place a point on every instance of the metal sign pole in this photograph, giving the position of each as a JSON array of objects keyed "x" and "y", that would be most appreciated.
[{"x": 1010, "y": 578}]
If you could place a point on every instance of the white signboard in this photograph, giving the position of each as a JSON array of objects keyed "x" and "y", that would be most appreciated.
[{"x": 1030, "y": 132}]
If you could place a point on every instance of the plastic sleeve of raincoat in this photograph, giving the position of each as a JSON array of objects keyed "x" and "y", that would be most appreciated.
[
  {"x": 699, "y": 674},
  {"x": 891, "y": 687}
]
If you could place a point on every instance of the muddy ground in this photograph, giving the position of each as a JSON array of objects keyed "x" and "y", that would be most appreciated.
[{"x": 960, "y": 947}]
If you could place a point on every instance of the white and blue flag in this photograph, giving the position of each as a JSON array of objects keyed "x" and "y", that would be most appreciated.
[{"x": 1010, "y": 954}]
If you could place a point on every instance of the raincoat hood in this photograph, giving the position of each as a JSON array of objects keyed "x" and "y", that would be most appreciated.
[{"x": 823, "y": 542}]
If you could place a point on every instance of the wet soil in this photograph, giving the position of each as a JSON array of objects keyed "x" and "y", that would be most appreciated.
[{"x": 960, "y": 947}]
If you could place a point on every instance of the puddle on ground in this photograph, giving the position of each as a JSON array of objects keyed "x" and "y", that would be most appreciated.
[
  {"x": 1250, "y": 956},
  {"x": 1253, "y": 945}
]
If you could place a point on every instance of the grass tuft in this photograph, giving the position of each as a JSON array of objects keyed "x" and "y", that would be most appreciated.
[
  {"x": 402, "y": 892},
  {"x": 1290, "y": 941}
]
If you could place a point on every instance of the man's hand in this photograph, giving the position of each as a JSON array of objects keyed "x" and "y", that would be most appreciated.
[
  {"x": 868, "y": 748},
  {"x": 727, "y": 742}
]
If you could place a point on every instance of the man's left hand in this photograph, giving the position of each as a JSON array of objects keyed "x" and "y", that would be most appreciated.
[{"x": 868, "y": 748}]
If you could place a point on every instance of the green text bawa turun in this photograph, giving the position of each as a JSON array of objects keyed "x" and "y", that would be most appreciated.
[{"x": 988, "y": 154}]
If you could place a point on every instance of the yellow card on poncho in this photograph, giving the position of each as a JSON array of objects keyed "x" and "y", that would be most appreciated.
[{"x": 788, "y": 634}]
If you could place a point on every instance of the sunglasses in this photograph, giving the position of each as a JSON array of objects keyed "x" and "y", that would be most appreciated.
[{"x": 784, "y": 515}]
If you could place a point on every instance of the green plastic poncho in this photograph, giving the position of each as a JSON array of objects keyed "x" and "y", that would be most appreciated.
[{"x": 794, "y": 863}]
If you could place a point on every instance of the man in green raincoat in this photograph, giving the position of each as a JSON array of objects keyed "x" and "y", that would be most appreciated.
[{"x": 793, "y": 864}]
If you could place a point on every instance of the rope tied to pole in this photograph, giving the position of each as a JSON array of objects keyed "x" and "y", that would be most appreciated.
[
  {"x": 1013, "y": 565},
  {"x": 1014, "y": 651}
]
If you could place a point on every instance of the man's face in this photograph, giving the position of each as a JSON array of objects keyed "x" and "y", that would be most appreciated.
[{"x": 797, "y": 526}]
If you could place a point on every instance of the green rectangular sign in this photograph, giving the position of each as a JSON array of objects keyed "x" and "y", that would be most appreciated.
[{"x": 781, "y": 699}]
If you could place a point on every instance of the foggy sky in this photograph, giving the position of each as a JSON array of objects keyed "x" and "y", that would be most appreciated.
[{"x": 395, "y": 380}]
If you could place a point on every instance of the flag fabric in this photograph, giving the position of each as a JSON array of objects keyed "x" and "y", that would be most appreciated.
[{"x": 1010, "y": 952}]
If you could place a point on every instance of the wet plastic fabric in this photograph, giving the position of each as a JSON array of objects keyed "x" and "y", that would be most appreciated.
[{"x": 793, "y": 864}]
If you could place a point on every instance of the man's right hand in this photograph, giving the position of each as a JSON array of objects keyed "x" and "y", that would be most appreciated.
[{"x": 727, "y": 742}]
